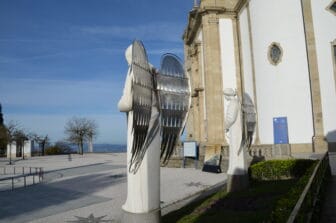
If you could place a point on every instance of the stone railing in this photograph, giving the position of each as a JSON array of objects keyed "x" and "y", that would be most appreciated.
[
  {"x": 261, "y": 151},
  {"x": 255, "y": 154},
  {"x": 304, "y": 208}
]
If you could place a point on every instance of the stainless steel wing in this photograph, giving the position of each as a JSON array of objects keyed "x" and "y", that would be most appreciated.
[
  {"x": 142, "y": 87},
  {"x": 173, "y": 89},
  {"x": 249, "y": 119}
]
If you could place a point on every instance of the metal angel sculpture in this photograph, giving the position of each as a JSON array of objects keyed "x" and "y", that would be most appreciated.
[
  {"x": 148, "y": 90},
  {"x": 240, "y": 121},
  {"x": 241, "y": 116}
]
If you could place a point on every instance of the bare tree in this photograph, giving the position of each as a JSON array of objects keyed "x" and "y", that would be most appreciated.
[
  {"x": 42, "y": 140},
  {"x": 80, "y": 130}
]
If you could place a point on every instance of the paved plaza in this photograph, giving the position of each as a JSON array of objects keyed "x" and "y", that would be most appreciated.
[{"x": 93, "y": 186}]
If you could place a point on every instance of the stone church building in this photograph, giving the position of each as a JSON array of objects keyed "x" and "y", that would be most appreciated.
[{"x": 281, "y": 53}]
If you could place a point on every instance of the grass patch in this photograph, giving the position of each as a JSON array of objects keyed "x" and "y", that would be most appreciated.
[
  {"x": 254, "y": 204},
  {"x": 189, "y": 212}
]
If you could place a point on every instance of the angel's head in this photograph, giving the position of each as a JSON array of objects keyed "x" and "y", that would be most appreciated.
[
  {"x": 229, "y": 93},
  {"x": 128, "y": 54}
]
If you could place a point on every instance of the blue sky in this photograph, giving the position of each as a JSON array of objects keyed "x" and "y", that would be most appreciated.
[{"x": 65, "y": 58}]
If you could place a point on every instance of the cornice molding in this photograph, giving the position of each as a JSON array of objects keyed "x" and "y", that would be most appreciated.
[{"x": 195, "y": 17}]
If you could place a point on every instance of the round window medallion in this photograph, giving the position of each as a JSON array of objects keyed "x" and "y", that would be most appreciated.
[{"x": 275, "y": 53}]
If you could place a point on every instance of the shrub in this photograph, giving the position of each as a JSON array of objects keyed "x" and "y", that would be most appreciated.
[
  {"x": 279, "y": 169},
  {"x": 57, "y": 149}
]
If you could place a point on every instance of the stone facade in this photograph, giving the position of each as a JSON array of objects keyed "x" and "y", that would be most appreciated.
[{"x": 209, "y": 74}]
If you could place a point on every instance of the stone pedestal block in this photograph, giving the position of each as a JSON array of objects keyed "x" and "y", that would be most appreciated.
[{"x": 319, "y": 144}]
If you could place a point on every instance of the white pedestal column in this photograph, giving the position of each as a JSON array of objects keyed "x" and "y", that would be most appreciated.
[
  {"x": 143, "y": 187},
  {"x": 237, "y": 172},
  {"x": 90, "y": 146}
]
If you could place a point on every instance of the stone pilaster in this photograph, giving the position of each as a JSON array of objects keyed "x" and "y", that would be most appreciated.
[
  {"x": 257, "y": 139},
  {"x": 213, "y": 78},
  {"x": 201, "y": 94},
  {"x": 193, "y": 122},
  {"x": 238, "y": 58},
  {"x": 189, "y": 125},
  {"x": 319, "y": 142}
]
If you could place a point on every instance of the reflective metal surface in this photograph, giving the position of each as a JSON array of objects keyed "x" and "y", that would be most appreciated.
[
  {"x": 169, "y": 90},
  {"x": 174, "y": 100},
  {"x": 249, "y": 120},
  {"x": 142, "y": 87}
]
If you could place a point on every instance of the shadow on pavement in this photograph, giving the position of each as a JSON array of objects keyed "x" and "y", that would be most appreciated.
[{"x": 42, "y": 200}]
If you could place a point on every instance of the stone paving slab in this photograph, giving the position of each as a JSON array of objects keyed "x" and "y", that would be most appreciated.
[{"x": 92, "y": 186}]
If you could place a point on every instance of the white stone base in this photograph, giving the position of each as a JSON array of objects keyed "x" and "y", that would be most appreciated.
[{"x": 150, "y": 217}]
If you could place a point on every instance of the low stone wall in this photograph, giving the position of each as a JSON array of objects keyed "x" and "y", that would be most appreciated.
[{"x": 255, "y": 154}]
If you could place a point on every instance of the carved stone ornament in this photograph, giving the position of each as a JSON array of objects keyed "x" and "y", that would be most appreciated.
[{"x": 275, "y": 53}]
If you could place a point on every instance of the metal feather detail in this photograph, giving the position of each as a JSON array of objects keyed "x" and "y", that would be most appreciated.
[
  {"x": 173, "y": 89},
  {"x": 142, "y": 87},
  {"x": 249, "y": 120}
]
